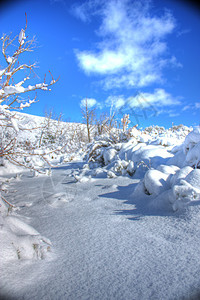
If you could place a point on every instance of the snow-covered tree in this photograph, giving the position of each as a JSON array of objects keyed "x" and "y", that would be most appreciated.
[{"x": 14, "y": 77}]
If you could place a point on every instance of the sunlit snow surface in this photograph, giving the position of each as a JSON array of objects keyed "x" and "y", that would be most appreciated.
[
  {"x": 107, "y": 244},
  {"x": 122, "y": 224}
]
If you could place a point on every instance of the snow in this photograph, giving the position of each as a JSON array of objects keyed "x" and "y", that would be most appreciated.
[
  {"x": 14, "y": 124},
  {"x": 118, "y": 219},
  {"x": 18, "y": 88},
  {"x": 2, "y": 72},
  {"x": 18, "y": 239},
  {"x": 155, "y": 181},
  {"x": 10, "y": 59},
  {"x": 193, "y": 178},
  {"x": 106, "y": 244},
  {"x": 13, "y": 89},
  {"x": 193, "y": 156},
  {"x": 108, "y": 155},
  {"x": 22, "y": 36},
  {"x": 191, "y": 139}
]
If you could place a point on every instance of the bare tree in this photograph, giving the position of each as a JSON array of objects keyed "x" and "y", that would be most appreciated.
[
  {"x": 89, "y": 117},
  {"x": 105, "y": 123},
  {"x": 51, "y": 129}
]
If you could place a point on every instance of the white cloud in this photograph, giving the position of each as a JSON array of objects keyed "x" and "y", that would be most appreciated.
[
  {"x": 159, "y": 98},
  {"x": 133, "y": 49},
  {"x": 91, "y": 102},
  {"x": 116, "y": 101},
  {"x": 105, "y": 62}
]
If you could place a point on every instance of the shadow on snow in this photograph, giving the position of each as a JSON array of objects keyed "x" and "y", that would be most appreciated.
[{"x": 142, "y": 206}]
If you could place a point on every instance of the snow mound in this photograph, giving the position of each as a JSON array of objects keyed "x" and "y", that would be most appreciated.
[
  {"x": 193, "y": 178},
  {"x": 109, "y": 155},
  {"x": 164, "y": 159},
  {"x": 150, "y": 153},
  {"x": 155, "y": 182},
  {"x": 18, "y": 239},
  {"x": 180, "y": 174},
  {"x": 192, "y": 148},
  {"x": 192, "y": 139},
  {"x": 193, "y": 156},
  {"x": 174, "y": 188}
]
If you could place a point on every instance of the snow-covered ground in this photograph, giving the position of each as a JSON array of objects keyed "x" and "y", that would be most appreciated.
[
  {"x": 124, "y": 223},
  {"x": 107, "y": 244}
]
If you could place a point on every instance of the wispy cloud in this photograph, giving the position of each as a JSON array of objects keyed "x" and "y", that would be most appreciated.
[
  {"x": 156, "y": 100},
  {"x": 173, "y": 115},
  {"x": 87, "y": 9},
  {"x": 197, "y": 105},
  {"x": 133, "y": 48},
  {"x": 182, "y": 32},
  {"x": 194, "y": 106},
  {"x": 91, "y": 102},
  {"x": 186, "y": 107}
]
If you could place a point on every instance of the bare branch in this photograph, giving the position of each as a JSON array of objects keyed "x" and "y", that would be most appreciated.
[
  {"x": 10, "y": 99},
  {"x": 6, "y": 201}
]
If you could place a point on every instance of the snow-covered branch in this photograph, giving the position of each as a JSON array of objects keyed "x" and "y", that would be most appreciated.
[
  {"x": 11, "y": 98},
  {"x": 8, "y": 88}
]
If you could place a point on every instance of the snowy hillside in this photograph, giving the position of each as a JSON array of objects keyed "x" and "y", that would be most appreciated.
[
  {"x": 118, "y": 218},
  {"x": 35, "y": 136}
]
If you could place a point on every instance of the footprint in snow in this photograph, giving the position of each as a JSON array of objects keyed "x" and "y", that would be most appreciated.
[
  {"x": 55, "y": 193},
  {"x": 60, "y": 198}
]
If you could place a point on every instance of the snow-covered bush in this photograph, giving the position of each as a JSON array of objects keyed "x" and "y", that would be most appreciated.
[
  {"x": 123, "y": 167},
  {"x": 177, "y": 183},
  {"x": 125, "y": 122},
  {"x": 166, "y": 161},
  {"x": 105, "y": 124},
  {"x": 171, "y": 188}
]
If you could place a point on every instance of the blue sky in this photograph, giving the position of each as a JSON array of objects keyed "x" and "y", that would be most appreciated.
[{"x": 140, "y": 57}]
